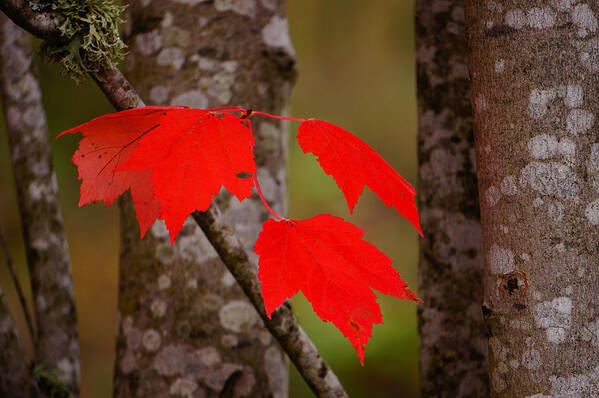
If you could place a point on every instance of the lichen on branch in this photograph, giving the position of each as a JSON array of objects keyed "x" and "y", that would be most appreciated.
[{"x": 91, "y": 30}]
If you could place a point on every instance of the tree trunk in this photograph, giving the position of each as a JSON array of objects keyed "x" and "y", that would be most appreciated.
[
  {"x": 186, "y": 327},
  {"x": 534, "y": 82},
  {"x": 453, "y": 348},
  {"x": 55, "y": 344}
]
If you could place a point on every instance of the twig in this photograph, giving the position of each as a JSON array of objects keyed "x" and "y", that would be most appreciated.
[
  {"x": 15, "y": 280},
  {"x": 16, "y": 379},
  {"x": 42, "y": 23},
  {"x": 117, "y": 89},
  {"x": 283, "y": 325}
]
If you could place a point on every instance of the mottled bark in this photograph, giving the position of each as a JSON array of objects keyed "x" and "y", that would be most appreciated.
[
  {"x": 56, "y": 345},
  {"x": 117, "y": 89},
  {"x": 16, "y": 379},
  {"x": 453, "y": 348},
  {"x": 534, "y": 68},
  {"x": 186, "y": 326}
]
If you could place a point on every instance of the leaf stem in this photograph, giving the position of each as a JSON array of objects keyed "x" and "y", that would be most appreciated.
[
  {"x": 294, "y": 119},
  {"x": 255, "y": 177},
  {"x": 227, "y": 108},
  {"x": 275, "y": 215},
  {"x": 15, "y": 279}
]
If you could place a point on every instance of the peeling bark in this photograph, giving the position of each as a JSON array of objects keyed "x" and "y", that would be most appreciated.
[
  {"x": 534, "y": 81},
  {"x": 453, "y": 348},
  {"x": 16, "y": 379},
  {"x": 179, "y": 304},
  {"x": 56, "y": 345}
]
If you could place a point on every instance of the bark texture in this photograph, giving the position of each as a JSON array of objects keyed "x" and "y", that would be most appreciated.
[
  {"x": 186, "y": 326},
  {"x": 453, "y": 348},
  {"x": 56, "y": 346},
  {"x": 16, "y": 379},
  {"x": 35, "y": 18},
  {"x": 117, "y": 89},
  {"x": 534, "y": 69}
]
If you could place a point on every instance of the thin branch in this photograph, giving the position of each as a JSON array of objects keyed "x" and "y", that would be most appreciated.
[
  {"x": 283, "y": 325},
  {"x": 15, "y": 280},
  {"x": 41, "y": 22},
  {"x": 16, "y": 379},
  {"x": 117, "y": 89}
]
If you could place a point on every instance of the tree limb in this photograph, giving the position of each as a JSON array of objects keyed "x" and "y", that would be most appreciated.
[
  {"x": 39, "y": 22},
  {"x": 56, "y": 343},
  {"x": 283, "y": 325},
  {"x": 117, "y": 89}
]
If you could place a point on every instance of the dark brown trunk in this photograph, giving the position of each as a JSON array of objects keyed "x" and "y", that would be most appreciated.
[{"x": 453, "y": 347}]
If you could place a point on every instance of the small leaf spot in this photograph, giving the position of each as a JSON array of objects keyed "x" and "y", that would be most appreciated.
[{"x": 243, "y": 175}]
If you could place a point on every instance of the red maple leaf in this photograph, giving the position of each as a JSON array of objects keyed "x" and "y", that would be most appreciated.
[
  {"x": 191, "y": 155},
  {"x": 107, "y": 142},
  {"x": 326, "y": 258},
  {"x": 353, "y": 164},
  {"x": 175, "y": 160}
]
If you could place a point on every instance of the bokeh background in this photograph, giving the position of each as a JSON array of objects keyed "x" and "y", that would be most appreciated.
[{"x": 357, "y": 69}]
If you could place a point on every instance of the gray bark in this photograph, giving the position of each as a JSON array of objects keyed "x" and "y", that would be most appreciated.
[
  {"x": 453, "y": 346},
  {"x": 186, "y": 326},
  {"x": 16, "y": 379},
  {"x": 56, "y": 346},
  {"x": 534, "y": 74}
]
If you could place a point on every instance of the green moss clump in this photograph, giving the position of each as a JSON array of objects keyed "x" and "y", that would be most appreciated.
[
  {"x": 91, "y": 28},
  {"x": 50, "y": 382}
]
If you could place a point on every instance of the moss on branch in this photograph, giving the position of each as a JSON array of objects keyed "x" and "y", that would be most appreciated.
[{"x": 91, "y": 30}]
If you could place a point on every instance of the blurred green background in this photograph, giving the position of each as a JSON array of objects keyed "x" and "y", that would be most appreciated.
[{"x": 357, "y": 69}]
